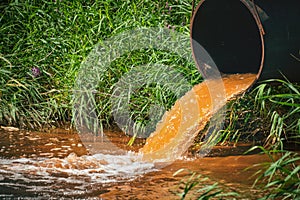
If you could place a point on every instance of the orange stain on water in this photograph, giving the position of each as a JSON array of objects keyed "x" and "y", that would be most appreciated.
[{"x": 178, "y": 127}]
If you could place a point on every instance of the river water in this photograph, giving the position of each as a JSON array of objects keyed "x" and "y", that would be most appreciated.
[{"x": 57, "y": 165}]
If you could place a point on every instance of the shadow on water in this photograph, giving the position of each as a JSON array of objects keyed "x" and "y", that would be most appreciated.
[{"x": 58, "y": 165}]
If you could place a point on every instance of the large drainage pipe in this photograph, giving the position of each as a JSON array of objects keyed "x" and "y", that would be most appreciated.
[{"x": 243, "y": 36}]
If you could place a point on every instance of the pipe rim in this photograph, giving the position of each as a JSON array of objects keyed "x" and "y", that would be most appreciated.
[{"x": 257, "y": 21}]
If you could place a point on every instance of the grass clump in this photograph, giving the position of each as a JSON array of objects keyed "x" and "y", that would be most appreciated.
[{"x": 282, "y": 106}]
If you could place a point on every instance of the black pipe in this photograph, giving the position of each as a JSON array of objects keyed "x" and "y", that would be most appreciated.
[{"x": 246, "y": 36}]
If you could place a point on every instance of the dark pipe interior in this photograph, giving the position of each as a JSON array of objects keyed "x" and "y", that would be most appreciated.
[
  {"x": 228, "y": 32},
  {"x": 282, "y": 39}
]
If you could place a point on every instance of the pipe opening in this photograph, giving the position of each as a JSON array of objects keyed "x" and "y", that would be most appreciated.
[
  {"x": 232, "y": 32},
  {"x": 229, "y": 33}
]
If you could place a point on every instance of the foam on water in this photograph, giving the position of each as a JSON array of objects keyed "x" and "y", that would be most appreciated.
[{"x": 70, "y": 175}]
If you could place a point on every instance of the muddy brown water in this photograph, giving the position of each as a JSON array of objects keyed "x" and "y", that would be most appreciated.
[{"x": 57, "y": 165}]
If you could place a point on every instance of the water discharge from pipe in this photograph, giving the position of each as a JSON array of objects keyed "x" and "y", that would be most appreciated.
[{"x": 180, "y": 125}]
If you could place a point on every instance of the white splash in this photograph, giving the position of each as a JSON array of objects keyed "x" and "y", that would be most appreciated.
[{"x": 69, "y": 176}]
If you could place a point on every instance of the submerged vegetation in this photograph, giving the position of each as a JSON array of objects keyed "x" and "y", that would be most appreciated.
[
  {"x": 193, "y": 180},
  {"x": 44, "y": 42}
]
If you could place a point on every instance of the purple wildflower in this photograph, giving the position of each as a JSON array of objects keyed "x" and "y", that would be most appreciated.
[
  {"x": 36, "y": 72},
  {"x": 167, "y": 4}
]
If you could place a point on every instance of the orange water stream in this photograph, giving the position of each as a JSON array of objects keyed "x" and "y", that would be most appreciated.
[{"x": 176, "y": 131}]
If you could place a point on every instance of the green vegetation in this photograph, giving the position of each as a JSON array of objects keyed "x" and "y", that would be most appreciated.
[
  {"x": 54, "y": 37},
  {"x": 281, "y": 105},
  {"x": 280, "y": 177},
  {"x": 268, "y": 115}
]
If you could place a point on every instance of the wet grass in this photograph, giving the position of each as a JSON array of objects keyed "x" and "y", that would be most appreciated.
[
  {"x": 277, "y": 103},
  {"x": 281, "y": 105}
]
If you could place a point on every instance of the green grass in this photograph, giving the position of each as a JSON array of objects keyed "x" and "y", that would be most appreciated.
[
  {"x": 281, "y": 105},
  {"x": 279, "y": 178},
  {"x": 268, "y": 115},
  {"x": 56, "y": 36}
]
